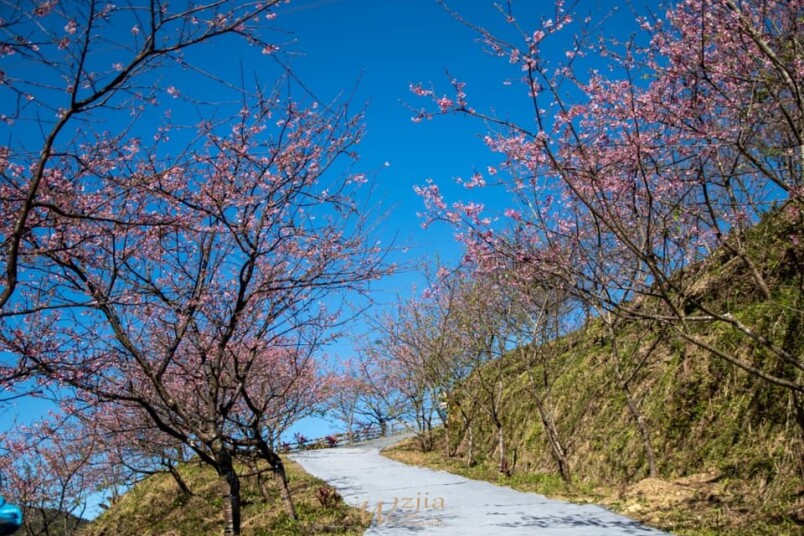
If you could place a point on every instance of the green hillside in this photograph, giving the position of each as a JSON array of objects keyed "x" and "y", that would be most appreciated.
[
  {"x": 728, "y": 446},
  {"x": 157, "y": 507}
]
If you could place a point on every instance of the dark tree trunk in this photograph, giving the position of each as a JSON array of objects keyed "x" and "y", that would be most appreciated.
[
  {"x": 554, "y": 439},
  {"x": 185, "y": 489},
  {"x": 642, "y": 426},
  {"x": 278, "y": 467},
  {"x": 230, "y": 489},
  {"x": 503, "y": 467}
]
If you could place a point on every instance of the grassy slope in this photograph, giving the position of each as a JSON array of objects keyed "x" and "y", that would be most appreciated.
[
  {"x": 155, "y": 506},
  {"x": 729, "y": 447}
]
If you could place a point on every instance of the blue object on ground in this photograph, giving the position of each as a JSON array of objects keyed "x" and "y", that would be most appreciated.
[{"x": 10, "y": 518}]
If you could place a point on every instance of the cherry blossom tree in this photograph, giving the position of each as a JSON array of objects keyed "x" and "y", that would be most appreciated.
[
  {"x": 400, "y": 346},
  {"x": 200, "y": 295},
  {"x": 481, "y": 331},
  {"x": 191, "y": 278},
  {"x": 67, "y": 69},
  {"x": 81, "y": 452},
  {"x": 50, "y": 469},
  {"x": 541, "y": 318},
  {"x": 414, "y": 397},
  {"x": 422, "y": 341},
  {"x": 372, "y": 397},
  {"x": 344, "y": 400},
  {"x": 683, "y": 139}
]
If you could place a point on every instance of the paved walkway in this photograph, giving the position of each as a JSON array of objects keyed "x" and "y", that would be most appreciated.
[{"x": 411, "y": 500}]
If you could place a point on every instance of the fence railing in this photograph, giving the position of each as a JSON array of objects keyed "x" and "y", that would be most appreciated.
[{"x": 358, "y": 435}]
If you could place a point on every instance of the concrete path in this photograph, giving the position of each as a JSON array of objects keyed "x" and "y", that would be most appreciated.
[{"x": 410, "y": 500}]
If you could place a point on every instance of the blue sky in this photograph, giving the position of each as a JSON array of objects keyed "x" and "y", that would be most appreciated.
[
  {"x": 383, "y": 47},
  {"x": 378, "y": 48}
]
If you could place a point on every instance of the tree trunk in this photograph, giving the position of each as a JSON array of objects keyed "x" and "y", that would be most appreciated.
[
  {"x": 230, "y": 489},
  {"x": 470, "y": 450},
  {"x": 351, "y": 429},
  {"x": 642, "y": 426},
  {"x": 278, "y": 467},
  {"x": 425, "y": 427},
  {"x": 557, "y": 448},
  {"x": 633, "y": 407},
  {"x": 501, "y": 448},
  {"x": 442, "y": 410},
  {"x": 284, "y": 490},
  {"x": 185, "y": 489},
  {"x": 554, "y": 439},
  {"x": 447, "y": 440},
  {"x": 470, "y": 437}
]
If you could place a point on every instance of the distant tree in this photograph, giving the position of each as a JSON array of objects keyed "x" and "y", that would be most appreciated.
[
  {"x": 400, "y": 348},
  {"x": 376, "y": 387},
  {"x": 365, "y": 394},
  {"x": 344, "y": 399},
  {"x": 481, "y": 334},
  {"x": 424, "y": 347},
  {"x": 50, "y": 468},
  {"x": 540, "y": 316}
]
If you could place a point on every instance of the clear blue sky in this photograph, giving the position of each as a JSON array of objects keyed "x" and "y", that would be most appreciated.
[{"x": 381, "y": 47}]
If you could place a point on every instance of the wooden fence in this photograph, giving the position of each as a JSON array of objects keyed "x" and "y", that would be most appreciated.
[{"x": 363, "y": 433}]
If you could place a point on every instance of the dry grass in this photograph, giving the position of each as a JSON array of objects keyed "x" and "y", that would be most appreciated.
[{"x": 156, "y": 507}]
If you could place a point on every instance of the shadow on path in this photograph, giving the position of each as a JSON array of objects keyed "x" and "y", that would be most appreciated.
[{"x": 412, "y": 500}]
